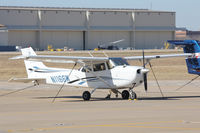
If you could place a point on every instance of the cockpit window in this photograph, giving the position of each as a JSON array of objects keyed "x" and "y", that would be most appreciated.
[
  {"x": 86, "y": 69},
  {"x": 119, "y": 61},
  {"x": 99, "y": 67},
  {"x": 189, "y": 49}
]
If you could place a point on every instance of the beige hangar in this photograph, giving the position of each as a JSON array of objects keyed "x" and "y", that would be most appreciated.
[{"x": 86, "y": 28}]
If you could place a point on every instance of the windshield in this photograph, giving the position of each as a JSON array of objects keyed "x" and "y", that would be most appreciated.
[{"x": 119, "y": 61}]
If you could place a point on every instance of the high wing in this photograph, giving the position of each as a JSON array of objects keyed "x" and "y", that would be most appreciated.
[
  {"x": 63, "y": 59},
  {"x": 158, "y": 56},
  {"x": 29, "y": 54},
  {"x": 78, "y": 59}
]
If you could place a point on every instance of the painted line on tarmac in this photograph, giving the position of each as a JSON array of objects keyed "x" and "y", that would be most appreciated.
[{"x": 123, "y": 125}]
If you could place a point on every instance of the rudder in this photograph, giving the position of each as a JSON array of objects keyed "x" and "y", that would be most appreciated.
[{"x": 190, "y": 46}]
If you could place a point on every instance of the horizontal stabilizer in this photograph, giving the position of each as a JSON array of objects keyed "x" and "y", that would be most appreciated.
[
  {"x": 18, "y": 57},
  {"x": 27, "y": 80}
]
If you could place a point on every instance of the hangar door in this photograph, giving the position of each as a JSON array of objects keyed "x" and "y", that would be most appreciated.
[
  {"x": 152, "y": 39},
  {"x": 70, "y": 39},
  {"x": 22, "y": 38},
  {"x": 96, "y": 38}
]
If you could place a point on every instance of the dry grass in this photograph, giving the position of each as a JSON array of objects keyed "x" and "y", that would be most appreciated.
[{"x": 165, "y": 69}]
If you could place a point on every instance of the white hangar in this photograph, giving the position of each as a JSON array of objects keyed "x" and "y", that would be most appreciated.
[{"x": 86, "y": 28}]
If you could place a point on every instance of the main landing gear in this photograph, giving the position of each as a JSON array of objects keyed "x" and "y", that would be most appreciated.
[
  {"x": 125, "y": 94},
  {"x": 87, "y": 95},
  {"x": 129, "y": 94}
]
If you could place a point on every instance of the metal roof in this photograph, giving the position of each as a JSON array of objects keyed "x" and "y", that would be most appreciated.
[{"x": 80, "y": 9}]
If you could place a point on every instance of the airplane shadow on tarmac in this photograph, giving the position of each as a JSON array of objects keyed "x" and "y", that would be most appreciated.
[{"x": 79, "y": 98}]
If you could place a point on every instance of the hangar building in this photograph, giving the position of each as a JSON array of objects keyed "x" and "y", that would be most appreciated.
[{"x": 86, "y": 28}]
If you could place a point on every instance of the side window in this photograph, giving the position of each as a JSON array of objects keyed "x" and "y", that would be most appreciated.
[
  {"x": 189, "y": 49},
  {"x": 99, "y": 67},
  {"x": 86, "y": 70}
]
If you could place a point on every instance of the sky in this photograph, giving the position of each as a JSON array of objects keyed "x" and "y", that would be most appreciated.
[{"x": 187, "y": 11}]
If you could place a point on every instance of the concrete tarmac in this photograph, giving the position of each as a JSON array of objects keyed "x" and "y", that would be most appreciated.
[{"x": 32, "y": 110}]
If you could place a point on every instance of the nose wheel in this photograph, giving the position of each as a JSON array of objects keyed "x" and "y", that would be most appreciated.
[{"x": 132, "y": 95}]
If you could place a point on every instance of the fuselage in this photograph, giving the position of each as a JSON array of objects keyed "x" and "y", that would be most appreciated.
[{"x": 118, "y": 77}]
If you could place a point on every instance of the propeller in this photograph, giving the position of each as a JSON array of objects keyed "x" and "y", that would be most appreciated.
[{"x": 145, "y": 74}]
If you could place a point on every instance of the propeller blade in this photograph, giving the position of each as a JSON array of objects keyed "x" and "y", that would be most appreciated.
[
  {"x": 145, "y": 82},
  {"x": 145, "y": 74},
  {"x": 143, "y": 58}
]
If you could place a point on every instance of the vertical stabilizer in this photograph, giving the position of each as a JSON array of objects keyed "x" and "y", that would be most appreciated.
[
  {"x": 32, "y": 66},
  {"x": 190, "y": 46}
]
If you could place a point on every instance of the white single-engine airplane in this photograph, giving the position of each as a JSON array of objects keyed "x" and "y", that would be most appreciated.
[{"x": 95, "y": 72}]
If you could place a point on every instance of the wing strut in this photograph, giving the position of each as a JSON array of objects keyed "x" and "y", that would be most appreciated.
[
  {"x": 64, "y": 83},
  {"x": 156, "y": 79}
]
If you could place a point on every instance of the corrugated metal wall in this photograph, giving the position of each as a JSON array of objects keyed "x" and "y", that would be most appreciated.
[
  {"x": 58, "y": 39},
  {"x": 43, "y": 26}
]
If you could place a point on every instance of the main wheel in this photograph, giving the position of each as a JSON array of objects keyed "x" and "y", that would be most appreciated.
[
  {"x": 125, "y": 94},
  {"x": 86, "y": 95}
]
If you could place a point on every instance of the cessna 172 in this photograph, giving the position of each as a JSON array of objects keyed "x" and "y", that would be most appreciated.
[{"x": 99, "y": 72}]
